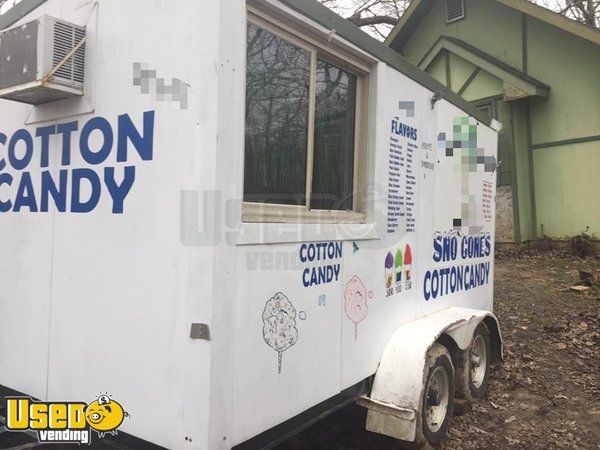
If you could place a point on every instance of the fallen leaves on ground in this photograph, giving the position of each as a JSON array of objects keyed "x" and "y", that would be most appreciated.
[{"x": 546, "y": 393}]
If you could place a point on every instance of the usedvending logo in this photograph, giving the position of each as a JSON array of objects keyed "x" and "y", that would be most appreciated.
[{"x": 65, "y": 422}]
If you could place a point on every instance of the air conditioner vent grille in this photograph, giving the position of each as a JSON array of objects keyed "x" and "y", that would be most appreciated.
[
  {"x": 66, "y": 37},
  {"x": 42, "y": 61},
  {"x": 455, "y": 10}
]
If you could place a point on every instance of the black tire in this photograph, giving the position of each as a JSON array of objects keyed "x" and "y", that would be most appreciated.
[
  {"x": 467, "y": 387},
  {"x": 438, "y": 362}
]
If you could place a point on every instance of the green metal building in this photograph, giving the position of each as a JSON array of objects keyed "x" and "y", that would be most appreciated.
[{"x": 536, "y": 72}]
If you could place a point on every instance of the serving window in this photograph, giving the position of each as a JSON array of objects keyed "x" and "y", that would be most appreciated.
[{"x": 305, "y": 126}]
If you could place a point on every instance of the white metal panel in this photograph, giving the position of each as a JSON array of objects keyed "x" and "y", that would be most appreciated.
[
  {"x": 125, "y": 288},
  {"x": 24, "y": 325},
  {"x": 448, "y": 202},
  {"x": 306, "y": 370},
  {"x": 400, "y": 102},
  {"x": 25, "y": 272},
  {"x": 160, "y": 374},
  {"x": 366, "y": 332},
  {"x": 228, "y": 176}
]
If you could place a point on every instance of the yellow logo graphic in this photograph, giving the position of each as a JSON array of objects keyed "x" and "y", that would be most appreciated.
[
  {"x": 65, "y": 422},
  {"x": 105, "y": 415}
]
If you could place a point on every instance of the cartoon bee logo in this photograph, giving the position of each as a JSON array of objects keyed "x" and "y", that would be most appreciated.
[{"x": 105, "y": 415}]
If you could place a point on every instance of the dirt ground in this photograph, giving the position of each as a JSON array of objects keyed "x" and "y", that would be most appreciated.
[{"x": 546, "y": 394}]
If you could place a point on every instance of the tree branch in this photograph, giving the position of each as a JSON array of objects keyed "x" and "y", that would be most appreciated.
[{"x": 373, "y": 20}]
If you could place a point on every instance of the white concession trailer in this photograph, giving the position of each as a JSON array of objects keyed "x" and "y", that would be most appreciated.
[{"x": 235, "y": 217}]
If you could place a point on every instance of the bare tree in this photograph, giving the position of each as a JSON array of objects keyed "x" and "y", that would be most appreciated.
[
  {"x": 584, "y": 11},
  {"x": 378, "y": 17}
]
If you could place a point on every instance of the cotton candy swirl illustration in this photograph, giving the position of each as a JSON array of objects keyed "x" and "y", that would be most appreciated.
[
  {"x": 355, "y": 302},
  {"x": 279, "y": 325}
]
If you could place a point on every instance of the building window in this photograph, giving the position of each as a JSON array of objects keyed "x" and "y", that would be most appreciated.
[
  {"x": 487, "y": 108},
  {"x": 455, "y": 10},
  {"x": 302, "y": 139}
]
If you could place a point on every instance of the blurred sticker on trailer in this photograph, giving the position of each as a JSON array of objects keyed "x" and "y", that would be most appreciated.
[{"x": 65, "y": 422}]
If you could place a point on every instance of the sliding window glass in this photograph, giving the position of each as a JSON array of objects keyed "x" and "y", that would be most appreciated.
[
  {"x": 301, "y": 124},
  {"x": 277, "y": 95},
  {"x": 333, "y": 166}
]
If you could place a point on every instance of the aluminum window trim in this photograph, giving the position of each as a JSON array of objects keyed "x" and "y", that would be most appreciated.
[{"x": 272, "y": 212}]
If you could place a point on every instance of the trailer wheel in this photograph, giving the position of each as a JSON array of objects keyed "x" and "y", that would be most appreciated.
[
  {"x": 438, "y": 398},
  {"x": 473, "y": 366}
]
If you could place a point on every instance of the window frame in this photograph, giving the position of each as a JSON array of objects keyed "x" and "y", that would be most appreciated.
[
  {"x": 486, "y": 104},
  {"x": 275, "y": 212}
]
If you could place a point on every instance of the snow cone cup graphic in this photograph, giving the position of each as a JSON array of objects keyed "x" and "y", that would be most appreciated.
[
  {"x": 389, "y": 270},
  {"x": 407, "y": 261},
  {"x": 279, "y": 325},
  {"x": 355, "y": 302},
  {"x": 398, "y": 266}
]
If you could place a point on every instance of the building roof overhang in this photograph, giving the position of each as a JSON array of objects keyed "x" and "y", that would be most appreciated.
[
  {"x": 516, "y": 84},
  {"x": 418, "y": 9}
]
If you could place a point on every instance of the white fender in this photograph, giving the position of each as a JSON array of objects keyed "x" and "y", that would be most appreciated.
[{"x": 395, "y": 399}]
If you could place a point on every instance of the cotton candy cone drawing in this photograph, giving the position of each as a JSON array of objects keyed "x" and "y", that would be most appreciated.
[
  {"x": 355, "y": 302},
  {"x": 279, "y": 325}
]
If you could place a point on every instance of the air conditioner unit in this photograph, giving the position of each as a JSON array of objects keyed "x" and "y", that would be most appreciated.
[{"x": 42, "y": 61}]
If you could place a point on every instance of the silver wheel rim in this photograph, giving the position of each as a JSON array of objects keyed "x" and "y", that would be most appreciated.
[
  {"x": 478, "y": 358},
  {"x": 437, "y": 396}
]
